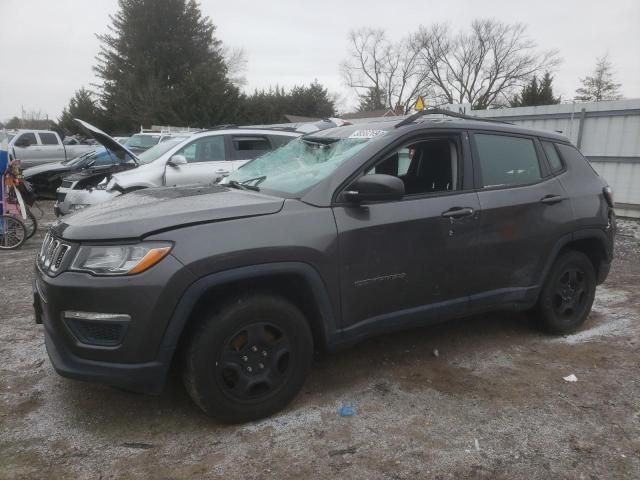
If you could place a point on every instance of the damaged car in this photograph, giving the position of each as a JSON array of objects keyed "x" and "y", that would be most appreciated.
[
  {"x": 82, "y": 196},
  {"x": 335, "y": 237}
]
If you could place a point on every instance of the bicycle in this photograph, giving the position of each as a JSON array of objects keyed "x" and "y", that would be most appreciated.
[{"x": 17, "y": 222}]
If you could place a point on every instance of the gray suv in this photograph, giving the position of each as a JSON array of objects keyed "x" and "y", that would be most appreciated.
[{"x": 336, "y": 236}]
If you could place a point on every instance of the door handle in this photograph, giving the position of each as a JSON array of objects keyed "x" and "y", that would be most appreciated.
[
  {"x": 458, "y": 212},
  {"x": 553, "y": 199}
]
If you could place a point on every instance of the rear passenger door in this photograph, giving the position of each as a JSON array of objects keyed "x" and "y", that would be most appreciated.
[
  {"x": 524, "y": 212},
  {"x": 206, "y": 162},
  {"x": 51, "y": 148}
]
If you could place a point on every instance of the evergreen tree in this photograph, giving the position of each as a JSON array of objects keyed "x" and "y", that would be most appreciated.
[
  {"x": 535, "y": 93},
  {"x": 545, "y": 94},
  {"x": 271, "y": 106},
  {"x": 84, "y": 106},
  {"x": 601, "y": 85},
  {"x": 13, "y": 123},
  {"x": 371, "y": 100},
  {"x": 311, "y": 101},
  {"x": 162, "y": 64}
]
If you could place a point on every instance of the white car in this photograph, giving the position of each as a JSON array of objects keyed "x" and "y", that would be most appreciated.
[
  {"x": 203, "y": 158},
  {"x": 71, "y": 195}
]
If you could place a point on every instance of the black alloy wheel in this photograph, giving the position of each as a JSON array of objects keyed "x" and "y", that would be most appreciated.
[{"x": 254, "y": 361}]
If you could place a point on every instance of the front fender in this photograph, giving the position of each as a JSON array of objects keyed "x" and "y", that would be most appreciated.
[{"x": 194, "y": 293}]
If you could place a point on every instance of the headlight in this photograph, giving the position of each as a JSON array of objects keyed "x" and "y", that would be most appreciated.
[
  {"x": 79, "y": 206},
  {"x": 121, "y": 259}
]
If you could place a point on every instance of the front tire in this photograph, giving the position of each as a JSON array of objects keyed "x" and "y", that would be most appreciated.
[
  {"x": 568, "y": 293},
  {"x": 249, "y": 359}
]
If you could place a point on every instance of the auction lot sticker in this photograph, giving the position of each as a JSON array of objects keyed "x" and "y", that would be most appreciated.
[{"x": 367, "y": 133}]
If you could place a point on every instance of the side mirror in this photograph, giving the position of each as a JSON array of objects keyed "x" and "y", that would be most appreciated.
[
  {"x": 375, "y": 188},
  {"x": 177, "y": 160}
]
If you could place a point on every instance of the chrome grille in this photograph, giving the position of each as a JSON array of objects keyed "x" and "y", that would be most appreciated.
[{"x": 52, "y": 253}]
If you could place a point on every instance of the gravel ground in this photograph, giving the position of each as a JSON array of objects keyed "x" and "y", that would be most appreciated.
[{"x": 491, "y": 404}]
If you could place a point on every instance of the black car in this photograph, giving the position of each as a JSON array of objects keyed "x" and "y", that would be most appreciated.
[
  {"x": 338, "y": 235},
  {"x": 108, "y": 157}
]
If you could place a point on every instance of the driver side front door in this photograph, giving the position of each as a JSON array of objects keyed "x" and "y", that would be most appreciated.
[
  {"x": 206, "y": 162},
  {"x": 406, "y": 262}
]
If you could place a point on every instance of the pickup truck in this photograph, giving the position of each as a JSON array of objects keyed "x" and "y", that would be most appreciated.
[{"x": 35, "y": 147}]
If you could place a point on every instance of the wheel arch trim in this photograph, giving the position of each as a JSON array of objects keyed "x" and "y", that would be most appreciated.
[
  {"x": 194, "y": 292},
  {"x": 582, "y": 234}
]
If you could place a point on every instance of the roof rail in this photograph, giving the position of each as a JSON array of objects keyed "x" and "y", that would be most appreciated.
[
  {"x": 448, "y": 113},
  {"x": 277, "y": 129},
  {"x": 220, "y": 127}
]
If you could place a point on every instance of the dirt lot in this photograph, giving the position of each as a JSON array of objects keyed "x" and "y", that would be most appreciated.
[{"x": 493, "y": 404}]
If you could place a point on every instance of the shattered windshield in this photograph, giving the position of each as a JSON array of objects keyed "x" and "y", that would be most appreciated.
[{"x": 296, "y": 166}]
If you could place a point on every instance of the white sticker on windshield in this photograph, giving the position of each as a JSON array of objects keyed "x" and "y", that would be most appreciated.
[{"x": 367, "y": 133}]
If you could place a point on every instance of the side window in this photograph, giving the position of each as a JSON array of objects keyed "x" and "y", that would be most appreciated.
[
  {"x": 553, "y": 157},
  {"x": 48, "y": 138},
  {"x": 208, "y": 149},
  {"x": 427, "y": 166},
  {"x": 248, "y": 148},
  {"x": 28, "y": 137},
  {"x": 506, "y": 160}
]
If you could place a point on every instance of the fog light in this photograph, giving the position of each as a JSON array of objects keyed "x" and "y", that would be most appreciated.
[{"x": 100, "y": 329}]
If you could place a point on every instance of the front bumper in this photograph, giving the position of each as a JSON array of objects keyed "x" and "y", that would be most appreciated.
[
  {"x": 140, "y": 361},
  {"x": 148, "y": 377}
]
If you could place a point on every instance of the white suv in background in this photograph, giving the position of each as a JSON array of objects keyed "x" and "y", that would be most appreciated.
[{"x": 203, "y": 158}]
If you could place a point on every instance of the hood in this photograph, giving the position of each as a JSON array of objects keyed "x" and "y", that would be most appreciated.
[
  {"x": 44, "y": 168},
  {"x": 105, "y": 140},
  {"x": 141, "y": 213}
]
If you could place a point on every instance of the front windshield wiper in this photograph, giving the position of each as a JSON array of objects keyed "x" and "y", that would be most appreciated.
[{"x": 241, "y": 185}]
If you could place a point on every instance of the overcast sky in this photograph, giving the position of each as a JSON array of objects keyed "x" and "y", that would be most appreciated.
[{"x": 48, "y": 47}]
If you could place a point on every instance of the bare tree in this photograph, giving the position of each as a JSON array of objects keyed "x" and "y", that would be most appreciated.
[
  {"x": 385, "y": 74},
  {"x": 34, "y": 119},
  {"x": 236, "y": 62},
  {"x": 600, "y": 86},
  {"x": 481, "y": 67}
]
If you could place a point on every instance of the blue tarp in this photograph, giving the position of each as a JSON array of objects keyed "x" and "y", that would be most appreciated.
[{"x": 4, "y": 157}]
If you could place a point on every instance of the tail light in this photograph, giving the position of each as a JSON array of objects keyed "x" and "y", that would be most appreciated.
[{"x": 608, "y": 195}]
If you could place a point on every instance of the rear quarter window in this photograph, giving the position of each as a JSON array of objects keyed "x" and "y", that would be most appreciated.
[
  {"x": 247, "y": 148},
  {"x": 506, "y": 160},
  {"x": 552, "y": 155}
]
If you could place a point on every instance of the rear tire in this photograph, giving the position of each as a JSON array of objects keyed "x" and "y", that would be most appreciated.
[
  {"x": 249, "y": 359},
  {"x": 568, "y": 293}
]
